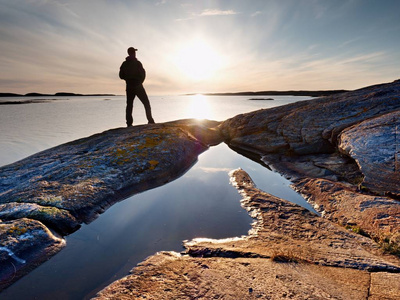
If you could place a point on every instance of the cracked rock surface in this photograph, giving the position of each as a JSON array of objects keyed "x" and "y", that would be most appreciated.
[{"x": 375, "y": 145}]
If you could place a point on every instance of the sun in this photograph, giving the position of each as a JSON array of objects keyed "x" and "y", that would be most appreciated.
[{"x": 198, "y": 60}]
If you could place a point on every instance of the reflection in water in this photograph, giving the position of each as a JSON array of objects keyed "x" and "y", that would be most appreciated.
[
  {"x": 82, "y": 116},
  {"x": 199, "y": 107}
]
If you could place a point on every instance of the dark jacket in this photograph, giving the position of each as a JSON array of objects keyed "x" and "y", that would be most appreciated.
[{"x": 132, "y": 72}]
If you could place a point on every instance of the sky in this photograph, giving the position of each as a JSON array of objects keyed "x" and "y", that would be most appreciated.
[{"x": 189, "y": 46}]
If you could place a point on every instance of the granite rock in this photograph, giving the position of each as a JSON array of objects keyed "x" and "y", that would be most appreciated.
[
  {"x": 310, "y": 126},
  {"x": 372, "y": 215},
  {"x": 24, "y": 244},
  {"x": 375, "y": 145},
  {"x": 172, "y": 276}
]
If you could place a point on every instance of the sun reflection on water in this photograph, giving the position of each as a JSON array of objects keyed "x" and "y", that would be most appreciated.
[{"x": 199, "y": 107}]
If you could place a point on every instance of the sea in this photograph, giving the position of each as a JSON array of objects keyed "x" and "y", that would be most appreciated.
[{"x": 201, "y": 203}]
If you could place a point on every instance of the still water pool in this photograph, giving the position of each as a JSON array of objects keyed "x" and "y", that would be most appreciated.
[{"x": 201, "y": 203}]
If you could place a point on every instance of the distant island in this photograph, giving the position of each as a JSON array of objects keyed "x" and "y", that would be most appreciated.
[
  {"x": 261, "y": 99},
  {"x": 261, "y": 93},
  {"x": 282, "y": 93},
  {"x": 60, "y": 94}
]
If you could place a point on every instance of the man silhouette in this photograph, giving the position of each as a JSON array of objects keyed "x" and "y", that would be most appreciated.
[{"x": 133, "y": 73}]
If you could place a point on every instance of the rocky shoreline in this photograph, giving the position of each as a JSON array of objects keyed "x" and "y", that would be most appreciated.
[
  {"x": 341, "y": 152},
  {"x": 290, "y": 253}
]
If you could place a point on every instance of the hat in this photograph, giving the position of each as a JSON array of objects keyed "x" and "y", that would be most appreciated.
[{"x": 130, "y": 49}]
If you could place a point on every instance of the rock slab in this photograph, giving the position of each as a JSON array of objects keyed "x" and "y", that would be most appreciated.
[
  {"x": 362, "y": 124},
  {"x": 24, "y": 245},
  {"x": 375, "y": 145}
]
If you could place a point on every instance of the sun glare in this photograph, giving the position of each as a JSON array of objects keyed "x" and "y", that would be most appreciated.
[
  {"x": 199, "y": 108},
  {"x": 197, "y": 60}
]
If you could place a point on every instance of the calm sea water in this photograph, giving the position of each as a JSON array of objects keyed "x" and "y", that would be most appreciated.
[
  {"x": 29, "y": 128},
  {"x": 201, "y": 203}
]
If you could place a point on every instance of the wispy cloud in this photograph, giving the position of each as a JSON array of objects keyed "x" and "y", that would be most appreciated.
[
  {"x": 210, "y": 13},
  {"x": 350, "y": 41},
  {"x": 257, "y": 13},
  {"x": 217, "y": 12},
  {"x": 343, "y": 70},
  {"x": 215, "y": 170}
]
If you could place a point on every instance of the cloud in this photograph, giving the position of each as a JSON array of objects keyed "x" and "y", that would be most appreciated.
[
  {"x": 215, "y": 170},
  {"x": 216, "y": 12},
  {"x": 78, "y": 46},
  {"x": 209, "y": 13},
  {"x": 343, "y": 70},
  {"x": 257, "y": 13}
]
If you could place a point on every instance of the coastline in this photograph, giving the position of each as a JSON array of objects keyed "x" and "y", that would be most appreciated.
[
  {"x": 322, "y": 158},
  {"x": 317, "y": 93},
  {"x": 59, "y": 94}
]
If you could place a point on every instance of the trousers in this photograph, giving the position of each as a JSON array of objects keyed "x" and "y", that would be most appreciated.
[{"x": 140, "y": 92}]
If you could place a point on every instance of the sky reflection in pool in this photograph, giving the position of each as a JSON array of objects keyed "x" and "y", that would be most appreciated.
[{"x": 201, "y": 203}]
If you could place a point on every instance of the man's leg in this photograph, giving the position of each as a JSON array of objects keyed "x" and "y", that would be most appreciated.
[
  {"x": 130, "y": 95},
  {"x": 142, "y": 95}
]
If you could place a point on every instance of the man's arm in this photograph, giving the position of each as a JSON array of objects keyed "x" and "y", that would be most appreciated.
[
  {"x": 122, "y": 72},
  {"x": 142, "y": 72}
]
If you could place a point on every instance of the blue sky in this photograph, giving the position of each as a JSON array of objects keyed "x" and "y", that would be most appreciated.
[{"x": 187, "y": 46}]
